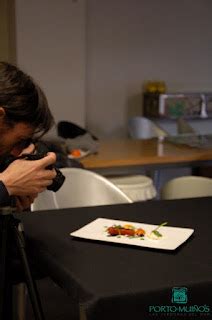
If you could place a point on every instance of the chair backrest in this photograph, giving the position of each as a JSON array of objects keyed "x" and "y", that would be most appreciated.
[
  {"x": 187, "y": 187},
  {"x": 144, "y": 128},
  {"x": 46, "y": 200},
  {"x": 82, "y": 188}
]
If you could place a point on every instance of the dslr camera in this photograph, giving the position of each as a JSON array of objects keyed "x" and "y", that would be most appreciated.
[{"x": 41, "y": 153}]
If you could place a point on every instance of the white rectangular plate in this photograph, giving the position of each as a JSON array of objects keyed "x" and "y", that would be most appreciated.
[{"x": 172, "y": 237}]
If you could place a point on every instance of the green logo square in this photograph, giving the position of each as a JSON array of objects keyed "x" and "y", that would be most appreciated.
[{"x": 179, "y": 295}]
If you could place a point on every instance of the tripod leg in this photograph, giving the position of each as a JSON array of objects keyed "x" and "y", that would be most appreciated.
[
  {"x": 20, "y": 301},
  {"x": 9, "y": 302},
  {"x": 33, "y": 293},
  {"x": 5, "y": 285}
]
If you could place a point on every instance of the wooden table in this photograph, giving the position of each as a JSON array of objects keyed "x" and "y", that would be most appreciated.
[{"x": 132, "y": 154}]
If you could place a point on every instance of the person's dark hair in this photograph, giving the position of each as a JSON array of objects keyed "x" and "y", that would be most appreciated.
[{"x": 23, "y": 100}]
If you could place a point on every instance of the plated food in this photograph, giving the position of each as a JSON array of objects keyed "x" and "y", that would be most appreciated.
[
  {"x": 134, "y": 233},
  {"x": 155, "y": 234},
  {"x": 78, "y": 153},
  {"x": 125, "y": 230},
  {"x": 131, "y": 231}
]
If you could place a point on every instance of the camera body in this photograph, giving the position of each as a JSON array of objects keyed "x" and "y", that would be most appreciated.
[{"x": 58, "y": 180}]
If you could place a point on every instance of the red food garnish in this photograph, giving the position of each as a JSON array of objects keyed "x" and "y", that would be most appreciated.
[
  {"x": 113, "y": 231},
  {"x": 140, "y": 232},
  {"x": 119, "y": 230}
]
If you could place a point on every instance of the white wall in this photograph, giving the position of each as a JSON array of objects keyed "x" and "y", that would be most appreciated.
[
  {"x": 126, "y": 43},
  {"x": 51, "y": 47},
  {"x": 130, "y": 41}
]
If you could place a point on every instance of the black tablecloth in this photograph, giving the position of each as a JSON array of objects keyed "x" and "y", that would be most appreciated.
[{"x": 120, "y": 281}]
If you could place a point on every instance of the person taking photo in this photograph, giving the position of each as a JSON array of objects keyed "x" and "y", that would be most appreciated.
[{"x": 24, "y": 115}]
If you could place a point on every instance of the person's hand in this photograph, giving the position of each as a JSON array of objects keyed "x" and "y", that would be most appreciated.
[
  {"x": 30, "y": 149},
  {"x": 24, "y": 202},
  {"x": 18, "y": 151},
  {"x": 25, "y": 177}
]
